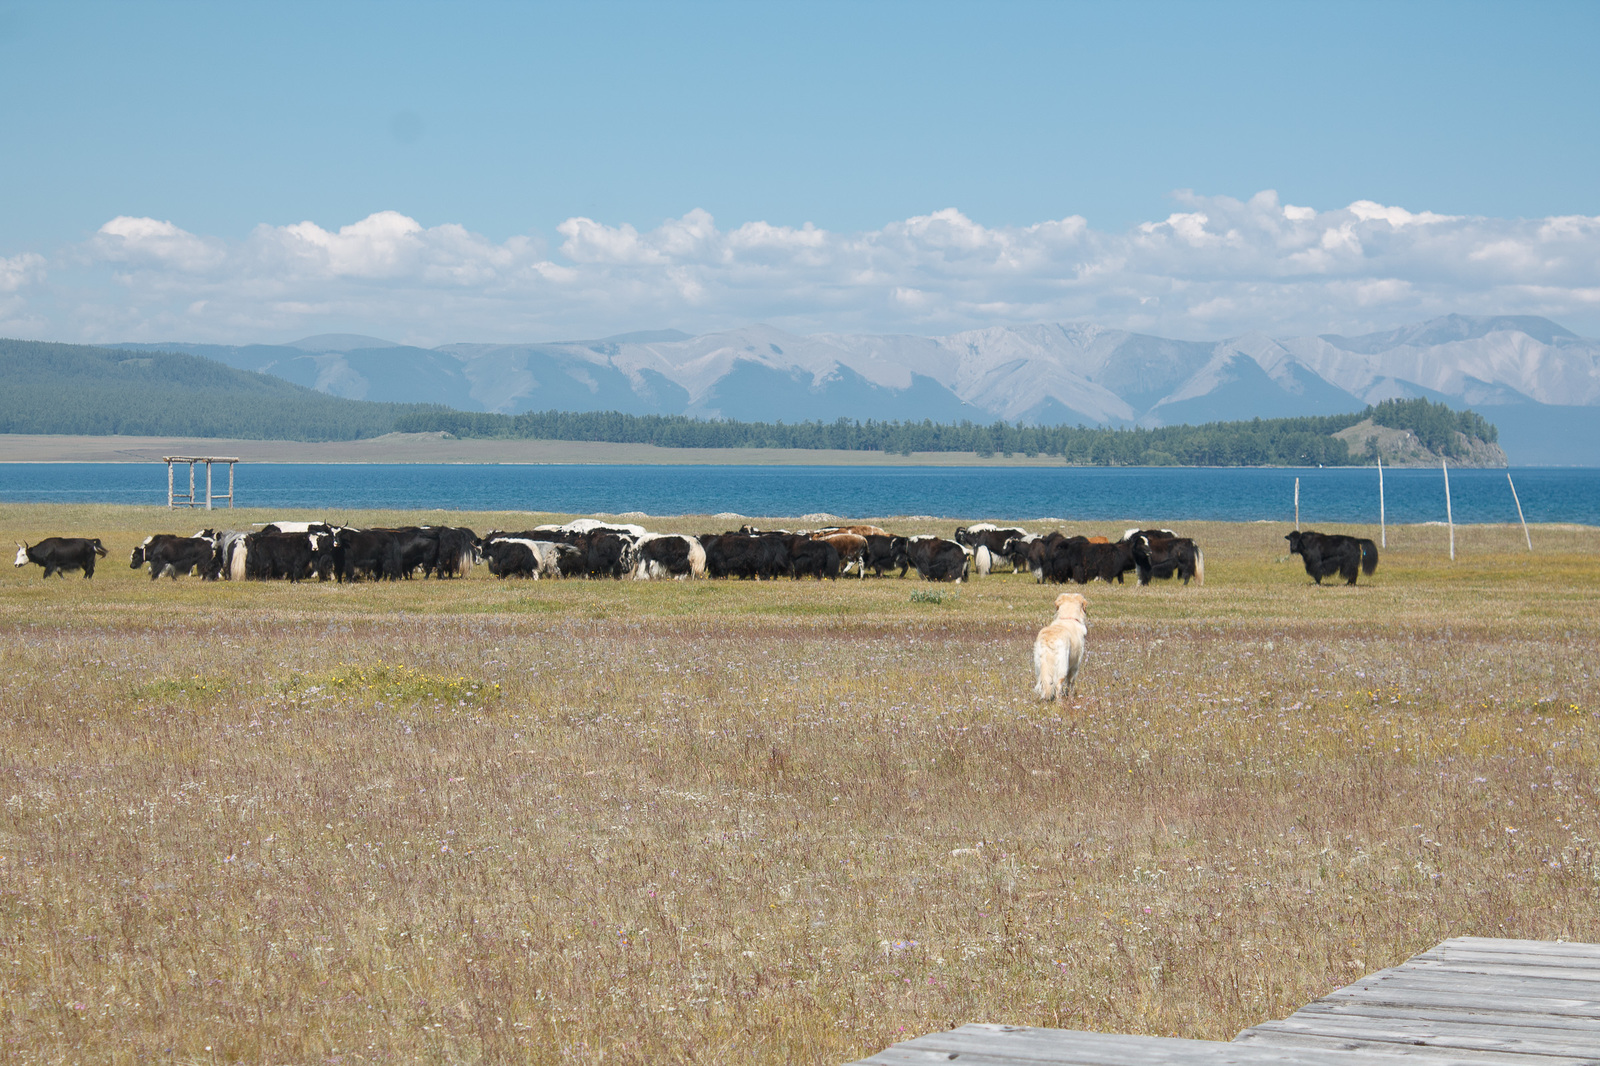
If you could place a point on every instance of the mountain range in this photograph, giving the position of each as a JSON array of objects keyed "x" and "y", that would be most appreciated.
[{"x": 1538, "y": 382}]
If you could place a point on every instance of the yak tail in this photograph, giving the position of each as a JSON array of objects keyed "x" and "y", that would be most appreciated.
[
  {"x": 1369, "y": 556},
  {"x": 1200, "y": 566},
  {"x": 463, "y": 546}
]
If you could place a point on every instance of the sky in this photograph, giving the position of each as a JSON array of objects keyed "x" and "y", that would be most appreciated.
[{"x": 432, "y": 173}]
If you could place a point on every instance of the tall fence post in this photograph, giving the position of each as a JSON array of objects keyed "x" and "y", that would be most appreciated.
[
  {"x": 1297, "y": 504},
  {"x": 1518, "y": 502},
  {"x": 1383, "y": 524},
  {"x": 1449, "y": 514}
]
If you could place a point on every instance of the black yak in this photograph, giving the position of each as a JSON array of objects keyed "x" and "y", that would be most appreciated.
[{"x": 1326, "y": 554}]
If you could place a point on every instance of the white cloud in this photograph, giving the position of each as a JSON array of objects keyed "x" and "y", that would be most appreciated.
[
  {"x": 1217, "y": 266},
  {"x": 20, "y": 270},
  {"x": 152, "y": 244},
  {"x": 1367, "y": 211}
]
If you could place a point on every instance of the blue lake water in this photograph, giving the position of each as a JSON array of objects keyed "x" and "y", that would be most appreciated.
[{"x": 1144, "y": 494}]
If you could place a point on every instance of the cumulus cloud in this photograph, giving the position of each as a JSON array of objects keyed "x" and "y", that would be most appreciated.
[
  {"x": 20, "y": 270},
  {"x": 1214, "y": 267},
  {"x": 154, "y": 244}
]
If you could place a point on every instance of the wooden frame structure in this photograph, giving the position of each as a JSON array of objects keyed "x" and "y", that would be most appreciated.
[{"x": 178, "y": 499}]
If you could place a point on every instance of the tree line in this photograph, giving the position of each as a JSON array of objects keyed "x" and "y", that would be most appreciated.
[{"x": 1305, "y": 441}]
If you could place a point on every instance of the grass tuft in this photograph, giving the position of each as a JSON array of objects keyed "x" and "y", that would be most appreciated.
[{"x": 397, "y": 681}]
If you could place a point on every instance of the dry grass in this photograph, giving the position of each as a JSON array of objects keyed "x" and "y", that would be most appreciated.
[{"x": 729, "y": 822}]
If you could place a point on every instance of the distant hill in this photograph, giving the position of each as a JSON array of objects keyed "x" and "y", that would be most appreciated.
[
  {"x": 72, "y": 389},
  {"x": 76, "y": 389},
  {"x": 1539, "y": 382}
]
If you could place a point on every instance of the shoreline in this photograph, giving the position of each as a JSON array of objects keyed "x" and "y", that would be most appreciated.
[
  {"x": 692, "y": 520},
  {"x": 435, "y": 448}
]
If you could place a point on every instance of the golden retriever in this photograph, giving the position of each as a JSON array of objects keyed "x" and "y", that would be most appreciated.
[{"x": 1059, "y": 650}]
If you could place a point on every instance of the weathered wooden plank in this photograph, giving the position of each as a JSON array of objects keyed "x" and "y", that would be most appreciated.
[
  {"x": 1486, "y": 1011},
  {"x": 1473, "y": 983},
  {"x": 1525, "y": 1007},
  {"x": 1357, "y": 1051},
  {"x": 1471, "y": 1036},
  {"x": 1563, "y": 949},
  {"x": 1502, "y": 969},
  {"x": 1039, "y": 1045},
  {"x": 1543, "y": 947},
  {"x": 1455, "y": 957},
  {"x": 1407, "y": 987}
]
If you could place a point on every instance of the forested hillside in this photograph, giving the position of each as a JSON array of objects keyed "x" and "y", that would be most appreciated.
[
  {"x": 1260, "y": 442},
  {"x": 76, "y": 389},
  {"x": 79, "y": 390}
]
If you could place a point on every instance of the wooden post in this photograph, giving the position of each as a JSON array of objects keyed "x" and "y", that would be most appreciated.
[
  {"x": 1449, "y": 514},
  {"x": 191, "y": 482},
  {"x": 208, "y": 484},
  {"x": 1518, "y": 502},
  {"x": 169, "y": 484},
  {"x": 1383, "y": 525},
  {"x": 1297, "y": 504},
  {"x": 230, "y": 484}
]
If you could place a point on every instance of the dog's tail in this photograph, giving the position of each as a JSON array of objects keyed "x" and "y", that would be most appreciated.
[
  {"x": 1075, "y": 665},
  {"x": 1041, "y": 671},
  {"x": 1200, "y": 566},
  {"x": 1369, "y": 556}
]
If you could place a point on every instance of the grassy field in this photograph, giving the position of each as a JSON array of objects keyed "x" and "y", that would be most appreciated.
[{"x": 781, "y": 822}]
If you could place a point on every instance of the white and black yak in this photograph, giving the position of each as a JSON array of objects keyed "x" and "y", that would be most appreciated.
[{"x": 59, "y": 554}]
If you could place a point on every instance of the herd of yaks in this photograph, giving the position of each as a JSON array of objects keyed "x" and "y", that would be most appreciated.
[{"x": 297, "y": 551}]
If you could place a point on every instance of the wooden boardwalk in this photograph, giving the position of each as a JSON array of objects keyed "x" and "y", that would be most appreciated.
[{"x": 1470, "y": 1000}]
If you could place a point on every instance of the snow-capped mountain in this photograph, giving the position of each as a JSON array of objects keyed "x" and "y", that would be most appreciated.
[
  {"x": 1539, "y": 382},
  {"x": 1475, "y": 360}
]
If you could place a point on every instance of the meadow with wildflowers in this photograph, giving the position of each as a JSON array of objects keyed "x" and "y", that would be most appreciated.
[{"x": 477, "y": 821}]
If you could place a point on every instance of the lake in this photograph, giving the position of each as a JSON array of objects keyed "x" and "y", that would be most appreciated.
[{"x": 1343, "y": 494}]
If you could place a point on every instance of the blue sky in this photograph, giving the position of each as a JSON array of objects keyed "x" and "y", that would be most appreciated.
[{"x": 509, "y": 120}]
